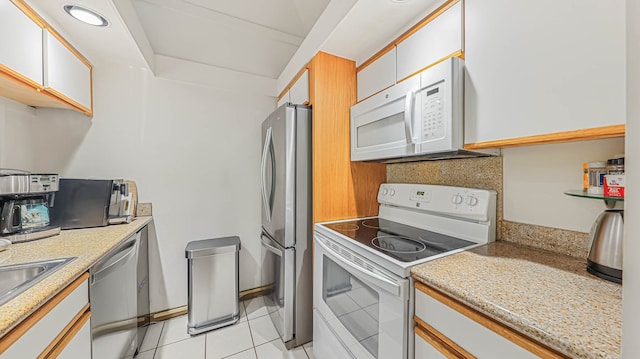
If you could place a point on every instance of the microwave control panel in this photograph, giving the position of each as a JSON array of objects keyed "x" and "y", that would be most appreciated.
[{"x": 432, "y": 113}]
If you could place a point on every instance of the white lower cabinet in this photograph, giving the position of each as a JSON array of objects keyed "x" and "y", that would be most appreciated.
[
  {"x": 443, "y": 331},
  {"x": 426, "y": 349},
  {"x": 79, "y": 344},
  {"x": 53, "y": 327}
]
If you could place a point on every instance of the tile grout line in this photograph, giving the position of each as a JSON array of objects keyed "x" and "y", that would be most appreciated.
[
  {"x": 155, "y": 350},
  {"x": 253, "y": 343}
]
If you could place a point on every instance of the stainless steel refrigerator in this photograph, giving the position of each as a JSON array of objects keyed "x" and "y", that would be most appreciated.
[{"x": 287, "y": 223}]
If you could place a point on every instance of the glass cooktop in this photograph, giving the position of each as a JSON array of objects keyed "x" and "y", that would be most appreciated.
[{"x": 401, "y": 242}]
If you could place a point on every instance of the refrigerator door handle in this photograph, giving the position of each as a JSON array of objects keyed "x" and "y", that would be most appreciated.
[
  {"x": 263, "y": 172},
  {"x": 269, "y": 247}
]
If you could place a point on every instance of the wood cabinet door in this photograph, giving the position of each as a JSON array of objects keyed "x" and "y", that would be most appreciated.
[
  {"x": 541, "y": 67},
  {"x": 21, "y": 45}
]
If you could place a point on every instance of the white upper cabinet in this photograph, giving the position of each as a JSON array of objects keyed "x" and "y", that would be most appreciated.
[
  {"x": 541, "y": 67},
  {"x": 299, "y": 92},
  {"x": 440, "y": 38},
  {"x": 378, "y": 75},
  {"x": 21, "y": 44},
  {"x": 64, "y": 73}
]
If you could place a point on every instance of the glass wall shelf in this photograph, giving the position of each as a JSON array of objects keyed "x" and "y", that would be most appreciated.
[{"x": 610, "y": 202}]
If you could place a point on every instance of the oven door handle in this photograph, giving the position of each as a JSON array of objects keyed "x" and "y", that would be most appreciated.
[{"x": 374, "y": 278}]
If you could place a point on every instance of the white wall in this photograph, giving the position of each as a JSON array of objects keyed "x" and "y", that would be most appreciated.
[
  {"x": 631, "y": 267},
  {"x": 15, "y": 128},
  {"x": 535, "y": 178},
  {"x": 193, "y": 151}
]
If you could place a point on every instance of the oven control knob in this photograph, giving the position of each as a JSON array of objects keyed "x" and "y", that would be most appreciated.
[
  {"x": 472, "y": 201},
  {"x": 456, "y": 199},
  {"x": 385, "y": 191},
  {"x": 392, "y": 192}
]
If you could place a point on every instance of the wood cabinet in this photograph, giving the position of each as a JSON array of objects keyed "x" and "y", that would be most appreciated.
[
  {"x": 378, "y": 76},
  {"x": 60, "y": 326},
  {"x": 543, "y": 71},
  {"x": 454, "y": 330},
  {"x": 341, "y": 188},
  {"x": 439, "y": 39},
  {"x": 37, "y": 66}
]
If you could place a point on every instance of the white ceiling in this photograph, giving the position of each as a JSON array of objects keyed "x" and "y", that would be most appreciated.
[{"x": 258, "y": 37}]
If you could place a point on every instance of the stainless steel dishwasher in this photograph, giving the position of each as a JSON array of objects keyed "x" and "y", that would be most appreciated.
[{"x": 114, "y": 307}]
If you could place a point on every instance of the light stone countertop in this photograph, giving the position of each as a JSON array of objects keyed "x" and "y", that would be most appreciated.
[
  {"x": 88, "y": 245},
  {"x": 546, "y": 296}
]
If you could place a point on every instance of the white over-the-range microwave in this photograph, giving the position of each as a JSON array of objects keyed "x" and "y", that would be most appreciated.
[{"x": 420, "y": 118}]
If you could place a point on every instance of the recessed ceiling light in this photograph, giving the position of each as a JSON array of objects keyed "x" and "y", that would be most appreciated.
[
  {"x": 400, "y": 1},
  {"x": 86, "y": 15}
]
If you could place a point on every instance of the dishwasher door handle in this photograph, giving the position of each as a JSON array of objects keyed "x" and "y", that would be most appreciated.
[{"x": 128, "y": 251}]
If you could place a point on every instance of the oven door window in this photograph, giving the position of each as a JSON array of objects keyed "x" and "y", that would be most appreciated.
[{"x": 353, "y": 302}]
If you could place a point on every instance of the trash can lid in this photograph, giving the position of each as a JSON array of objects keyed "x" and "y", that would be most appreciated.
[{"x": 207, "y": 247}]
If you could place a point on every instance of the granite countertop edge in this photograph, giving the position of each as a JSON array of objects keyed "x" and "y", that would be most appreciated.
[
  {"x": 518, "y": 321},
  {"x": 87, "y": 245}
]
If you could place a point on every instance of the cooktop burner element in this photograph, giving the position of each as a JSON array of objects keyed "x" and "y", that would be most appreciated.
[
  {"x": 369, "y": 223},
  {"x": 399, "y": 241},
  {"x": 347, "y": 227},
  {"x": 398, "y": 244}
]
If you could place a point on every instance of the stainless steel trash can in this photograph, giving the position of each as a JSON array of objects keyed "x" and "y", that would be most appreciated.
[{"x": 212, "y": 271}]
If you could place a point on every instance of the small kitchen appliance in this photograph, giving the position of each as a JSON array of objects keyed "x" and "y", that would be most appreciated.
[
  {"x": 420, "y": 118},
  {"x": 86, "y": 203},
  {"x": 25, "y": 199},
  {"x": 606, "y": 243},
  {"x": 362, "y": 297}
]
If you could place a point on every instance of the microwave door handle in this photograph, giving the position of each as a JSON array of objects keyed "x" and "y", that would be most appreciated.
[
  {"x": 408, "y": 116},
  {"x": 263, "y": 173}
]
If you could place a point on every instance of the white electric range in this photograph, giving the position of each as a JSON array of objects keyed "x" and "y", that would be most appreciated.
[{"x": 362, "y": 292}]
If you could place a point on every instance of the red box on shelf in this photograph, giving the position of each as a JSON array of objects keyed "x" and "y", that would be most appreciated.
[{"x": 614, "y": 186}]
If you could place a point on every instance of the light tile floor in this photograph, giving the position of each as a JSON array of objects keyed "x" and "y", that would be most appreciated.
[{"x": 253, "y": 337}]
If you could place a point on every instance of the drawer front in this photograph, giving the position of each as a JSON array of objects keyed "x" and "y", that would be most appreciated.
[
  {"x": 473, "y": 337},
  {"x": 424, "y": 350},
  {"x": 38, "y": 337},
  {"x": 79, "y": 346}
]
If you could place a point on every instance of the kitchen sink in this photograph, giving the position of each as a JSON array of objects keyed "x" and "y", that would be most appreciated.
[{"x": 16, "y": 278}]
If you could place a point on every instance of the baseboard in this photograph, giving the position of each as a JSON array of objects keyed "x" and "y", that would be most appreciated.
[{"x": 178, "y": 311}]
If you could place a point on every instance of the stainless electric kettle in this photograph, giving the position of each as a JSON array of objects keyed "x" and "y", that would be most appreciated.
[{"x": 606, "y": 241}]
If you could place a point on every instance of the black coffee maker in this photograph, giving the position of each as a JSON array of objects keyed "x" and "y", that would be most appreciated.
[{"x": 25, "y": 199}]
